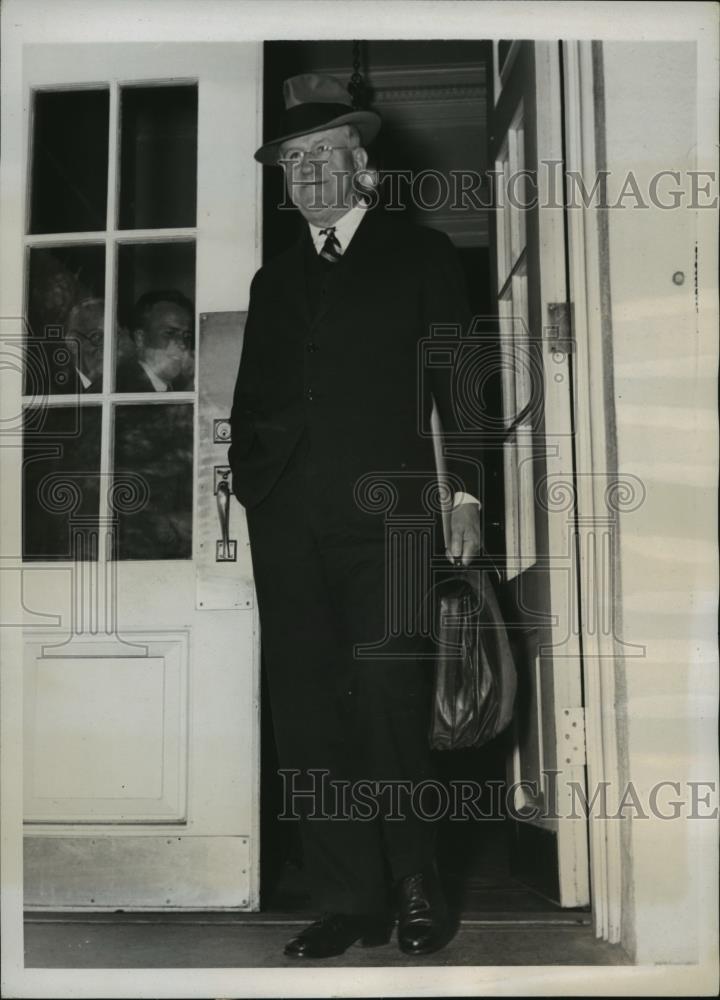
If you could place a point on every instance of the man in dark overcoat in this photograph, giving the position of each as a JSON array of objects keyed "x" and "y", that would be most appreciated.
[{"x": 330, "y": 420}]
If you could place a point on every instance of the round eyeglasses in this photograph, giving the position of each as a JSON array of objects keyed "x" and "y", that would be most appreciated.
[
  {"x": 319, "y": 154},
  {"x": 95, "y": 337}
]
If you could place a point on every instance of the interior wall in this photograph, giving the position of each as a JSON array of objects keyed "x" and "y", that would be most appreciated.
[{"x": 664, "y": 369}]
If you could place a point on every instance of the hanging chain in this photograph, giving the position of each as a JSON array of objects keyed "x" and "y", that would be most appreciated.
[{"x": 356, "y": 87}]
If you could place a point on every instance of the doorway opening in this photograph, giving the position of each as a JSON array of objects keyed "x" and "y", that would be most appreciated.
[{"x": 434, "y": 98}]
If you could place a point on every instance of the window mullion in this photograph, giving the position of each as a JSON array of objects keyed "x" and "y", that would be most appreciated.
[{"x": 109, "y": 326}]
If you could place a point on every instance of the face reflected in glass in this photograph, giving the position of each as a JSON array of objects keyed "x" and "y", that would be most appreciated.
[
  {"x": 64, "y": 311},
  {"x": 85, "y": 331},
  {"x": 56, "y": 294},
  {"x": 165, "y": 341}
]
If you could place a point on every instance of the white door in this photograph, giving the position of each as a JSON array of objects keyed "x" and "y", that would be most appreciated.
[
  {"x": 547, "y": 765},
  {"x": 140, "y": 642}
]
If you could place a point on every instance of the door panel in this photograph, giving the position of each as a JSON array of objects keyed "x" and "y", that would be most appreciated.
[
  {"x": 550, "y": 848},
  {"x": 114, "y": 765},
  {"x": 141, "y": 705}
]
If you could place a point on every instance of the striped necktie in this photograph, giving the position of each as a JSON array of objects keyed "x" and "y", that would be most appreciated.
[{"x": 330, "y": 251}]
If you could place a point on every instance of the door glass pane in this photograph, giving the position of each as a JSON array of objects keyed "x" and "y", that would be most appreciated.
[
  {"x": 505, "y": 309},
  {"x": 65, "y": 305},
  {"x": 520, "y": 500},
  {"x": 504, "y": 233},
  {"x": 525, "y": 374},
  {"x": 512, "y": 510},
  {"x": 156, "y": 314},
  {"x": 526, "y": 496},
  {"x": 522, "y": 188},
  {"x": 154, "y": 465},
  {"x": 158, "y": 159},
  {"x": 69, "y": 161},
  {"x": 61, "y": 475}
]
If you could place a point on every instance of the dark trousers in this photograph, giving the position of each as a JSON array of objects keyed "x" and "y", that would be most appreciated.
[{"x": 321, "y": 575}]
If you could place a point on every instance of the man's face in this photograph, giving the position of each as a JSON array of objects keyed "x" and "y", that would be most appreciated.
[
  {"x": 165, "y": 342},
  {"x": 320, "y": 183},
  {"x": 85, "y": 329}
]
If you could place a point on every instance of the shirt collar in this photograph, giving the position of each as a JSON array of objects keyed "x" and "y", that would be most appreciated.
[
  {"x": 84, "y": 380},
  {"x": 344, "y": 228},
  {"x": 158, "y": 384}
]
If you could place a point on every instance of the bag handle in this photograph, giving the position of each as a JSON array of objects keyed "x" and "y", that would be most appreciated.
[{"x": 486, "y": 561}]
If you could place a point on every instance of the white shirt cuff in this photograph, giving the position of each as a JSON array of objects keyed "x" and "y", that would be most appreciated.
[{"x": 462, "y": 498}]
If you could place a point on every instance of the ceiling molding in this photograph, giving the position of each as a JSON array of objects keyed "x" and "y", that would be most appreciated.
[
  {"x": 471, "y": 75},
  {"x": 435, "y": 93}
]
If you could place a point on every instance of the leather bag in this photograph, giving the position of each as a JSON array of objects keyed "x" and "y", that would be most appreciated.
[{"x": 475, "y": 672}]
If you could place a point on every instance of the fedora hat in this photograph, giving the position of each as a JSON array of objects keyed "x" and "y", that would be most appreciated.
[{"x": 314, "y": 103}]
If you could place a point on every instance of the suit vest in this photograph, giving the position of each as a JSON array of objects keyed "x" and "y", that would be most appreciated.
[{"x": 320, "y": 275}]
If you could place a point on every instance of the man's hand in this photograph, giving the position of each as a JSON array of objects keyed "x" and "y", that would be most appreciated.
[{"x": 465, "y": 535}]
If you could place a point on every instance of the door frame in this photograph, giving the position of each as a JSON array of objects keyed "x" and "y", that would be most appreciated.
[{"x": 596, "y": 468}]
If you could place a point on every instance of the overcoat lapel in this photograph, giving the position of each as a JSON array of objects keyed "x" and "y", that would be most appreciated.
[{"x": 294, "y": 277}]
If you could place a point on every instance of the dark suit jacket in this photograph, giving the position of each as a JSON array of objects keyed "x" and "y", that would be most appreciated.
[
  {"x": 132, "y": 377},
  {"x": 65, "y": 380},
  {"x": 350, "y": 375},
  {"x": 68, "y": 381}
]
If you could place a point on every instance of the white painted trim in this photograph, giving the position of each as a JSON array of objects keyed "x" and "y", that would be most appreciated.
[
  {"x": 573, "y": 871},
  {"x": 178, "y": 235},
  {"x": 254, "y": 889},
  {"x": 12, "y": 210},
  {"x": 593, "y": 469}
]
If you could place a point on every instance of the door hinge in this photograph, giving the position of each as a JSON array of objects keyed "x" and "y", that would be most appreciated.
[
  {"x": 571, "y": 751},
  {"x": 559, "y": 331}
]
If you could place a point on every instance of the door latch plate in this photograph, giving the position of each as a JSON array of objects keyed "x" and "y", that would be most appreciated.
[{"x": 559, "y": 331}]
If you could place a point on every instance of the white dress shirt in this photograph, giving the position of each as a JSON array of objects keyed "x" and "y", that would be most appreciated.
[{"x": 345, "y": 229}]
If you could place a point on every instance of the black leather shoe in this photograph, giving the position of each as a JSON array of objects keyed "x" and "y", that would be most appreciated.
[
  {"x": 334, "y": 933},
  {"x": 423, "y": 924}
]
